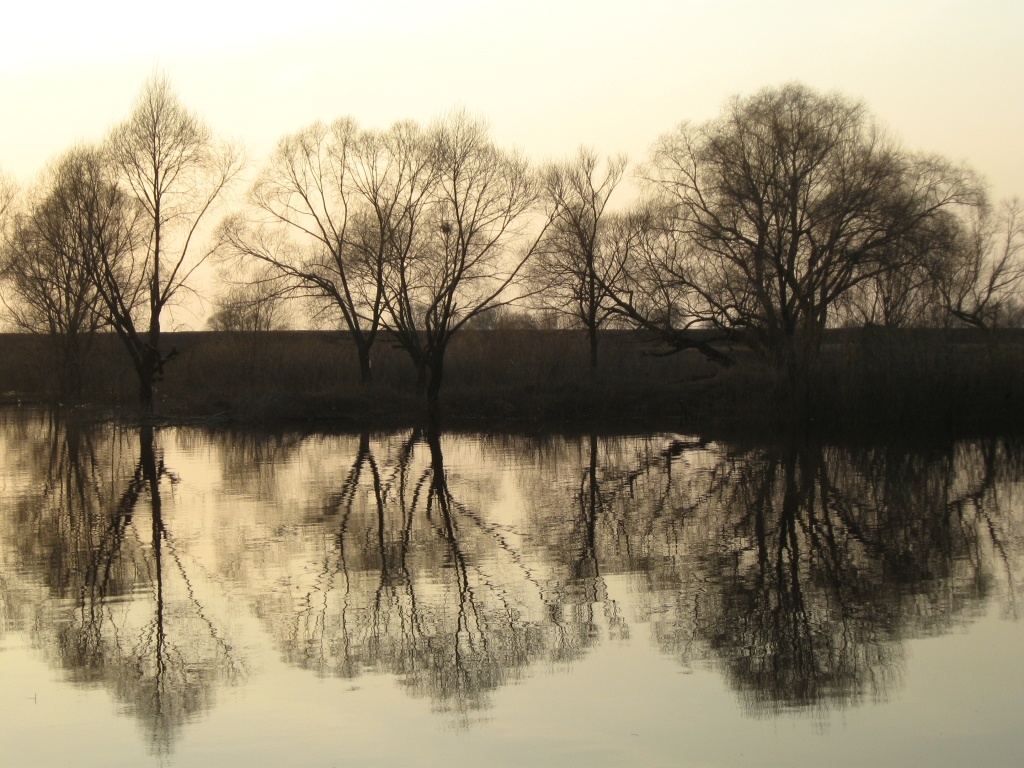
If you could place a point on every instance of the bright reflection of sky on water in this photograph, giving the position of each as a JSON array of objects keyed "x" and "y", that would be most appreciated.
[{"x": 409, "y": 598}]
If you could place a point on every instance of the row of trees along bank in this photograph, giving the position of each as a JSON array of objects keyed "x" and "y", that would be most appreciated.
[{"x": 789, "y": 213}]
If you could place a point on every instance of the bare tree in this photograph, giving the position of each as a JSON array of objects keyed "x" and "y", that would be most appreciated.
[
  {"x": 791, "y": 199},
  {"x": 572, "y": 269},
  {"x": 465, "y": 249},
  {"x": 255, "y": 304},
  {"x": 8, "y": 195},
  {"x": 897, "y": 298},
  {"x": 167, "y": 159},
  {"x": 963, "y": 267},
  {"x": 651, "y": 277},
  {"x": 978, "y": 274},
  {"x": 77, "y": 219},
  {"x": 332, "y": 205}
]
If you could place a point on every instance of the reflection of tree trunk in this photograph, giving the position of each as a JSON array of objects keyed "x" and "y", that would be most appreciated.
[
  {"x": 590, "y": 502},
  {"x": 439, "y": 496},
  {"x": 387, "y": 571},
  {"x": 344, "y": 498},
  {"x": 468, "y": 625},
  {"x": 395, "y": 589},
  {"x": 117, "y": 620},
  {"x": 151, "y": 473},
  {"x": 791, "y": 600},
  {"x": 586, "y": 571},
  {"x": 761, "y": 507}
]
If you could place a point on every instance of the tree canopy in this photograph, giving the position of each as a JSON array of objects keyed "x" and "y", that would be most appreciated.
[{"x": 789, "y": 200}]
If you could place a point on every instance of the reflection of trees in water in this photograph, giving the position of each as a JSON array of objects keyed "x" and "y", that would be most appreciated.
[
  {"x": 250, "y": 461},
  {"x": 597, "y": 510},
  {"x": 795, "y": 608},
  {"x": 950, "y": 517},
  {"x": 796, "y": 570},
  {"x": 120, "y": 608},
  {"x": 410, "y": 580},
  {"x": 583, "y": 588}
]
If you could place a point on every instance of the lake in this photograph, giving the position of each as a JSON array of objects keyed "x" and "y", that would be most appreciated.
[{"x": 188, "y": 597}]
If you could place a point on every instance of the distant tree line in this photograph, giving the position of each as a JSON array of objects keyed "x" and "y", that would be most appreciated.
[{"x": 789, "y": 213}]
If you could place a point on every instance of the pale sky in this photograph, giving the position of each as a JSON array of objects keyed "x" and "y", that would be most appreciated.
[{"x": 942, "y": 76}]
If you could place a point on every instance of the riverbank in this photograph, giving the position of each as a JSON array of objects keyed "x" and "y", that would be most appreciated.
[{"x": 946, "y": 382}]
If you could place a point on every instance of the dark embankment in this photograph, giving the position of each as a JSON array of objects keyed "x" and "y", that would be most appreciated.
[{"x": 871, "y": 380}]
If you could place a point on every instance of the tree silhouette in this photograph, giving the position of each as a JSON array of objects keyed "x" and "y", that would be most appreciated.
[
  {"x": 786, "y": 203},
  {"x": 167, "y": 160},
  {"x": 573, "y": 269},
  {"x": 77, "y": 219}
]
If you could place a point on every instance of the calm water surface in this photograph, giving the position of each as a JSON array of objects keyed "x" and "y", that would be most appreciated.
[{"x": 181, "y": 597}]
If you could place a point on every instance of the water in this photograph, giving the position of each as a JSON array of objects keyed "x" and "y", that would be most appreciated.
[{"x": 186, "y": 597}]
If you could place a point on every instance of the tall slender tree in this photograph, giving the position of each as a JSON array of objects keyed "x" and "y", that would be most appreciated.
[
  {"x": 166, "y": 158},
  {"x": 572, "y": 271}
]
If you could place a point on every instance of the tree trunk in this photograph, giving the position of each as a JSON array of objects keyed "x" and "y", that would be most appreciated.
[
  {"x": 365, "y": 366},
  {"x": 146, "y": 377},
  {"x": 422, "y": 375},
  {"x": 798, "y": 364},
  {"x": 71, "y": 372},
  {"x": 436, "y": 372}
]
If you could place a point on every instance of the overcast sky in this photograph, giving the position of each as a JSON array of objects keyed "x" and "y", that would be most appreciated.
[{"x": 943, "y": 76}]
